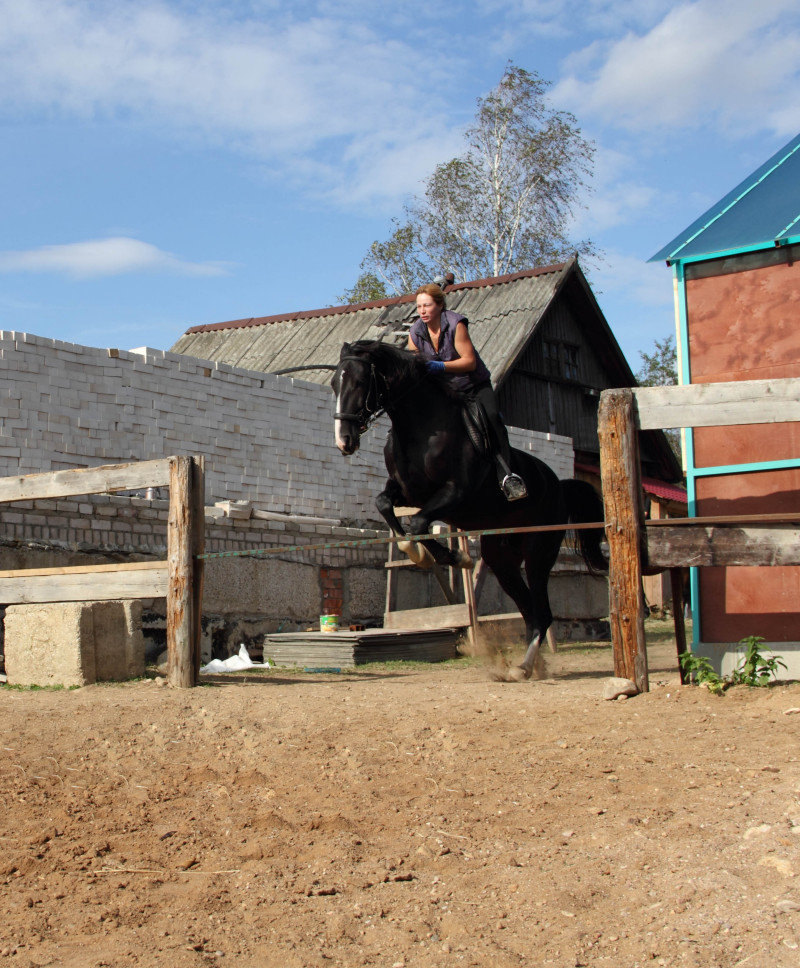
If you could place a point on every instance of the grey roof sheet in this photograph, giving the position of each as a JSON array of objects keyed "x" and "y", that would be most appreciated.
[{"x": 502, "y": 313}]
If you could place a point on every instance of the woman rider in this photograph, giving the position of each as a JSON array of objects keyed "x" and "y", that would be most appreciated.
[{"x": 442, "y": 337}]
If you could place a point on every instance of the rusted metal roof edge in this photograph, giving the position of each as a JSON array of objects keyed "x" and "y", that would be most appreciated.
[{"x": 377, "y": 304}]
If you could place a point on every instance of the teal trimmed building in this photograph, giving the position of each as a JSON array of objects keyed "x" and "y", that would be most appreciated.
[{"x": 736, "y": 273}]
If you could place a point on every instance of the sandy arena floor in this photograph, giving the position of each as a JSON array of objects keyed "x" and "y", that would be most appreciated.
[{"x": 401, "y": 817}]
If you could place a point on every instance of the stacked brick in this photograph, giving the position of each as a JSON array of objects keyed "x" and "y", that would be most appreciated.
[
  {"x": 117, "y": 525},
  {"x": 266, "y": 439}
]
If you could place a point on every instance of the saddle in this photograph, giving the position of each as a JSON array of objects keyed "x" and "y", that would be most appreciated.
[{"x": 477, "y": 427}]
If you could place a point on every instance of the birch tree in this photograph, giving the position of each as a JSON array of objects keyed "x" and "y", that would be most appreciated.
[{"x": 504, "y": 204}]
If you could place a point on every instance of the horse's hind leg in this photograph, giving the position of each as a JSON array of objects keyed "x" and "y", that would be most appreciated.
[
  {"x": 505, "y": 560},
  {"x": 539, "y": 561},
  {"x": 504, "y": 557}
]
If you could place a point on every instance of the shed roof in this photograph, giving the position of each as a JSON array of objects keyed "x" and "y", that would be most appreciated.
[
  {"x": 503, "y": 312},
  {"x": 763, "y": 210}
]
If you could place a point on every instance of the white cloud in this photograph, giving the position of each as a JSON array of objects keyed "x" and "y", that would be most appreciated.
[
  {"x": 287, "y": 90},
  {"x": 646, "y": 283},
  {"x": 729, "y": 62},
  {"x": 103, "y": 257}
]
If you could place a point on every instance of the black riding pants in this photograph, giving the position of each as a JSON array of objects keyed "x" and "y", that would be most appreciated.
[{"x": 486, "y": 397}]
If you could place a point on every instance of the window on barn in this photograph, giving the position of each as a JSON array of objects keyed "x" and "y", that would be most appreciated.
[
  {"x": 570, "y": 361},
  {"x": 561, "y": 359},
  {"x": 552, "y": 364}
]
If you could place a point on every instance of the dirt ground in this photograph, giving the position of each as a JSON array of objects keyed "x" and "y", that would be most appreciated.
[{"x": 399, "y": 816}]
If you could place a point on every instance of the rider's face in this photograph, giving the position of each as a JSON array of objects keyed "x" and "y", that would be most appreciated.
[{"x": 427, "y": 309}]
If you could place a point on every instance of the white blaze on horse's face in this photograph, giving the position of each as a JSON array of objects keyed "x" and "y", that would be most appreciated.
[{"x": 345, "y": 432}]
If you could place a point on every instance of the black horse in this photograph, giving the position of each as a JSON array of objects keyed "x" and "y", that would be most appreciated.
[{"x": 435, "y": 465}]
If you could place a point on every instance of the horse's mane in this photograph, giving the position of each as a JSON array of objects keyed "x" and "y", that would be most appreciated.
[{"x": 399, "y": 364}]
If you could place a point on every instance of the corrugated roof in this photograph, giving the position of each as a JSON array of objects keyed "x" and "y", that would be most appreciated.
[
  {"x": 502, "y": 313},
  {"x": 763, "y": 210},
  {"x": 669, "y": 492}
]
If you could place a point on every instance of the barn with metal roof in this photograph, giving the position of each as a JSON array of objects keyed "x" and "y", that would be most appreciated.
[{"x": 541, "y": 333}]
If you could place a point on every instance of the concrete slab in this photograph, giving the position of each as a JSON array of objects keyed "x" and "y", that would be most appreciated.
[
  {"x": 73, "y": 643},
  {"x": 50, "y": 645}
]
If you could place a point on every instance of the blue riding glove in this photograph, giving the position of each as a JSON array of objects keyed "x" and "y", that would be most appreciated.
[{"x": 434, "y": 366}]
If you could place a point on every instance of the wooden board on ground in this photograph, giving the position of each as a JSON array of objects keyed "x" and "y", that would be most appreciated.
[
  {"x": 428, "y": 619},
  {"x": 345, "y": 649}
]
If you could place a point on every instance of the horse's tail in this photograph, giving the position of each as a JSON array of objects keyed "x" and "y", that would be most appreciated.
[{"x": 585, "y": 506}]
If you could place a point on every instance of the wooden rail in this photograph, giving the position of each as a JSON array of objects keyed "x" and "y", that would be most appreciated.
[
  {"x": 741, "y": 540},
  {"x": 179, "y": 579}
]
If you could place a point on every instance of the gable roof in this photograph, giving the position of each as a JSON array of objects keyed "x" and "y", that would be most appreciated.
[
  {"x": 503, "y": 313},
  {"x": 763, "y": 210}
]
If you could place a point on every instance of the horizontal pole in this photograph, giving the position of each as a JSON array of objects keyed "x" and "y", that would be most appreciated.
[
  {"x": 85, "y": 584},
  {"x": 86, "y": 480},
  {"x": 778, "y": 517},
  {"x": 730, "y": 547},
  {"x": 84, "y": 569},
  {"x": 718, "y": 404}
]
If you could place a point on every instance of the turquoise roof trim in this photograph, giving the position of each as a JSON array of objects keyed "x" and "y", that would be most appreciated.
[{"x": 758, "y": 212}]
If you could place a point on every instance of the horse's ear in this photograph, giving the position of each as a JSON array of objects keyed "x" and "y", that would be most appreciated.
[{"x": 345, "y": 350}]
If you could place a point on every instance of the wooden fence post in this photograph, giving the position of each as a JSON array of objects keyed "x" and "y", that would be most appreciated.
[
  {"x": 624, "y": 515},
  {"x": 198, "y": 547},
  {"x": 184, "y": 586}
]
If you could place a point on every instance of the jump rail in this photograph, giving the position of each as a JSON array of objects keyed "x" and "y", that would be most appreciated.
[
  {"x": 766, "y": 540},
  {"x": 179, "y": 579}
]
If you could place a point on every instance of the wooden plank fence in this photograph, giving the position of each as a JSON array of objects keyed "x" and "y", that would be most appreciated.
[
  {"x": 636, "y": 546},
  {"x": 179, "y": 578}
]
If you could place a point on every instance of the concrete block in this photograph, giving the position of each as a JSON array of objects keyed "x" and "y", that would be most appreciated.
[
  {"x": 73, "y": 643},
  {"x": 50, "y": 645},
  {"x": 118, "y": 640}
]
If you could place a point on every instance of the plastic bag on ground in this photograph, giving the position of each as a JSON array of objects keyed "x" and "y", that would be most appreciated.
[{"x": 234, "y": 663}]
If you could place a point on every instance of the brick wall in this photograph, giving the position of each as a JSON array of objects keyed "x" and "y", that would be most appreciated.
[{"x": 266, "y": 439}]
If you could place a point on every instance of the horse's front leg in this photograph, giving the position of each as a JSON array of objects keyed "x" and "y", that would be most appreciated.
[
  {"x": 437, "y": 509},
  {"x": 386, "y": 502}
]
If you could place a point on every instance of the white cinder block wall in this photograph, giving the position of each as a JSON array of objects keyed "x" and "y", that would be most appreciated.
[{"x": 266, "y": 439}]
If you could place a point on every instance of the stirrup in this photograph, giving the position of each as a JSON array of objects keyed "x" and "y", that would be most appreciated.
[{"x": 514, "y": 487}]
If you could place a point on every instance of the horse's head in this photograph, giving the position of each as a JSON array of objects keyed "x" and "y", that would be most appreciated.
[{"x": 355, "y": 384}]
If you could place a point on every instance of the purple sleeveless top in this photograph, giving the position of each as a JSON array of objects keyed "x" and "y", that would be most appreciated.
[{"x": 479, "y": 377}]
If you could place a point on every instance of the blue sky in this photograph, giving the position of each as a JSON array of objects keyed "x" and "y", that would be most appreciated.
[{"x": 168, "y": 164}]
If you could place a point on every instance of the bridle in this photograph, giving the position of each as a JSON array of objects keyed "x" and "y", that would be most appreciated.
[{"x": 373, "y": 406}]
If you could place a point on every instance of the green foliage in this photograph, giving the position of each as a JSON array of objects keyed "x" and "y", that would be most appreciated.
[
  {"x": 501, "y": 206},
  {"x": 368, "y": 288},
  {"x": 753, "y": 669},
  {"x": 659, "y": 368},
  {"x": 699, "y": 670}
]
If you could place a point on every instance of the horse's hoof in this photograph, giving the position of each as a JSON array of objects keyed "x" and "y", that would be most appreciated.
[
  {"x": 518, "y": 674},
  {"x": 463, "y": 560},
  {"x": 417, "y": 553}
]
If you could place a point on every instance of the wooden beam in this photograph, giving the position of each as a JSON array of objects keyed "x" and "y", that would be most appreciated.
[
  {"x": 85, "y": 480},
  {"x": 84, "y": 584},
  {"x": 85, "y": 569},
  {"x": 440, "y": 617},
  {"x": 180, "y": 599},
  {"x": 697, "y": 546},
  {"x": 776, "y": 517},
  {"x": 676, "y": 586},
  {"x": 718, "y": 404},
  {"x": 198, "y": 539},
  {"x": 624, "y": 515}
]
